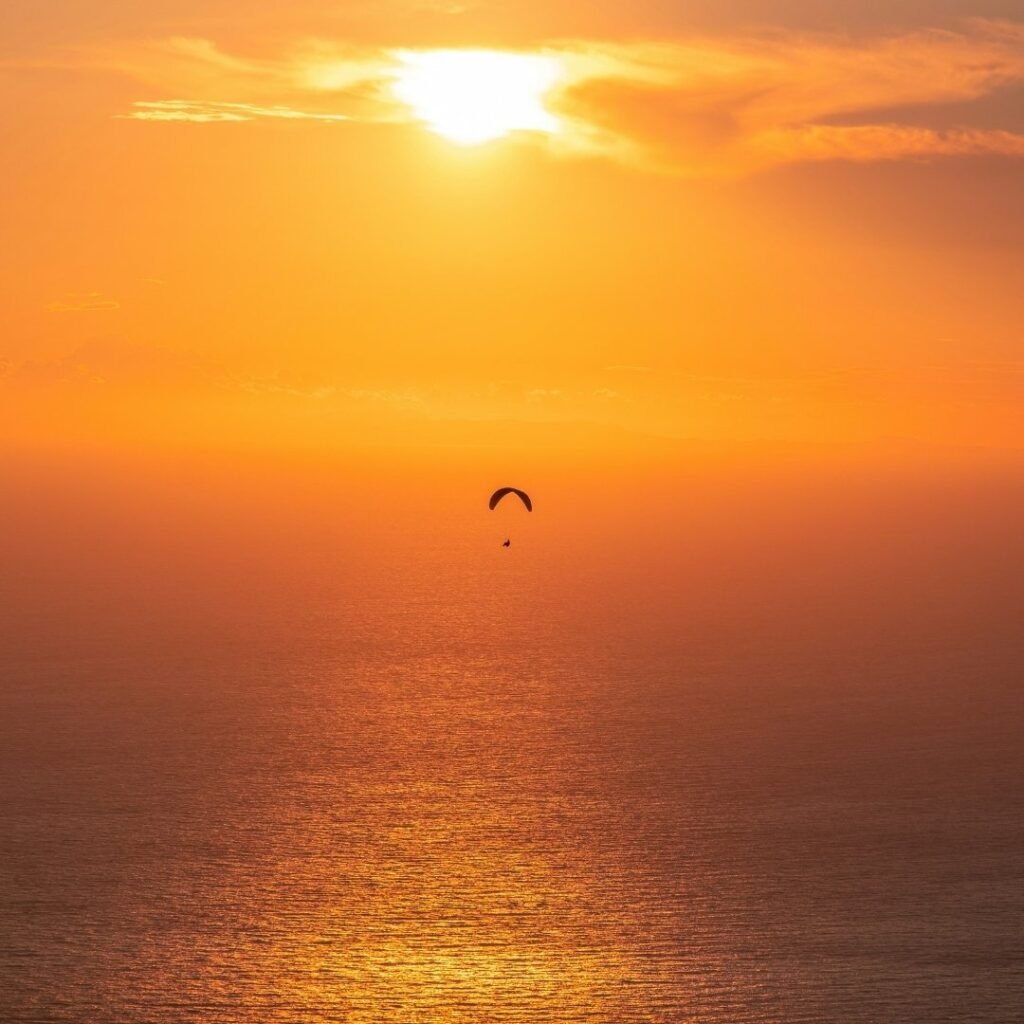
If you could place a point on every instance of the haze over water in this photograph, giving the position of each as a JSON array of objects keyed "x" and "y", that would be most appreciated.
[{"x": 306, "y": 745}]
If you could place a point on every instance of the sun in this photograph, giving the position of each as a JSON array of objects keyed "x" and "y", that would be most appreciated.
[{"x": 474, "y": 96}]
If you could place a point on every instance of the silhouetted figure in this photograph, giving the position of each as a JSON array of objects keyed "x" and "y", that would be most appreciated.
[
  {"x": 502, "y": 491},
  {"x": 507, "y": 544}
]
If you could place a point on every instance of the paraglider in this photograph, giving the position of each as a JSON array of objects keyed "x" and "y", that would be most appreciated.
[{"x": 502, "y": 491}]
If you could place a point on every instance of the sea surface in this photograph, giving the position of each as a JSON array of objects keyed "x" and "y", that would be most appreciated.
[{"x": 756, "y": 761}]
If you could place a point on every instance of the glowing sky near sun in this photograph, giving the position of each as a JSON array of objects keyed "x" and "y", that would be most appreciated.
[
  {"x": 473, "y": 96},
  {"x": 349, "y": 222}
]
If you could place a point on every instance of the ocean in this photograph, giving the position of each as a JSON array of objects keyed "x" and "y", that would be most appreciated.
[{"x": 741, "y": 747}]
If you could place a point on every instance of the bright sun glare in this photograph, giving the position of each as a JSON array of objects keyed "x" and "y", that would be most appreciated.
[{"x": 473, "y": 96}]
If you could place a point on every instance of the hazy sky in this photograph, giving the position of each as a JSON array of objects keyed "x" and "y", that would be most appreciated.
[{"x": 227, "y": 221}]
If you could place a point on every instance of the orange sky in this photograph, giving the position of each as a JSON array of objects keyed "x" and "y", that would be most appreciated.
[{"x": 753, "y": 222}]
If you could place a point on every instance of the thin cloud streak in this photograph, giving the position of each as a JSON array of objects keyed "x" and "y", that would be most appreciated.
[
  {"x": 212, "y": 113},
  {"x": 864, "y": 143}
]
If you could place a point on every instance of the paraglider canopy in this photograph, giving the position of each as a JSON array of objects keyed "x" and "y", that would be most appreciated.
[{"x": 502, "y": 491}]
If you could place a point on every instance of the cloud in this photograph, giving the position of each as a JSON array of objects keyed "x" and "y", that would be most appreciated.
[
  {"x": 735, "y": 106},
  {"x": 85, "y": 302},
  {"x": 205, "y": 113},
  {"x": 863, "y": 143},
  {"x": 703, "y": 106},
  {"x": 405, "y": 398},
  {"x": 315, "y": 80},
  {"x": 538, "y": 396},
  {"x": 534, "y": 395}
]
